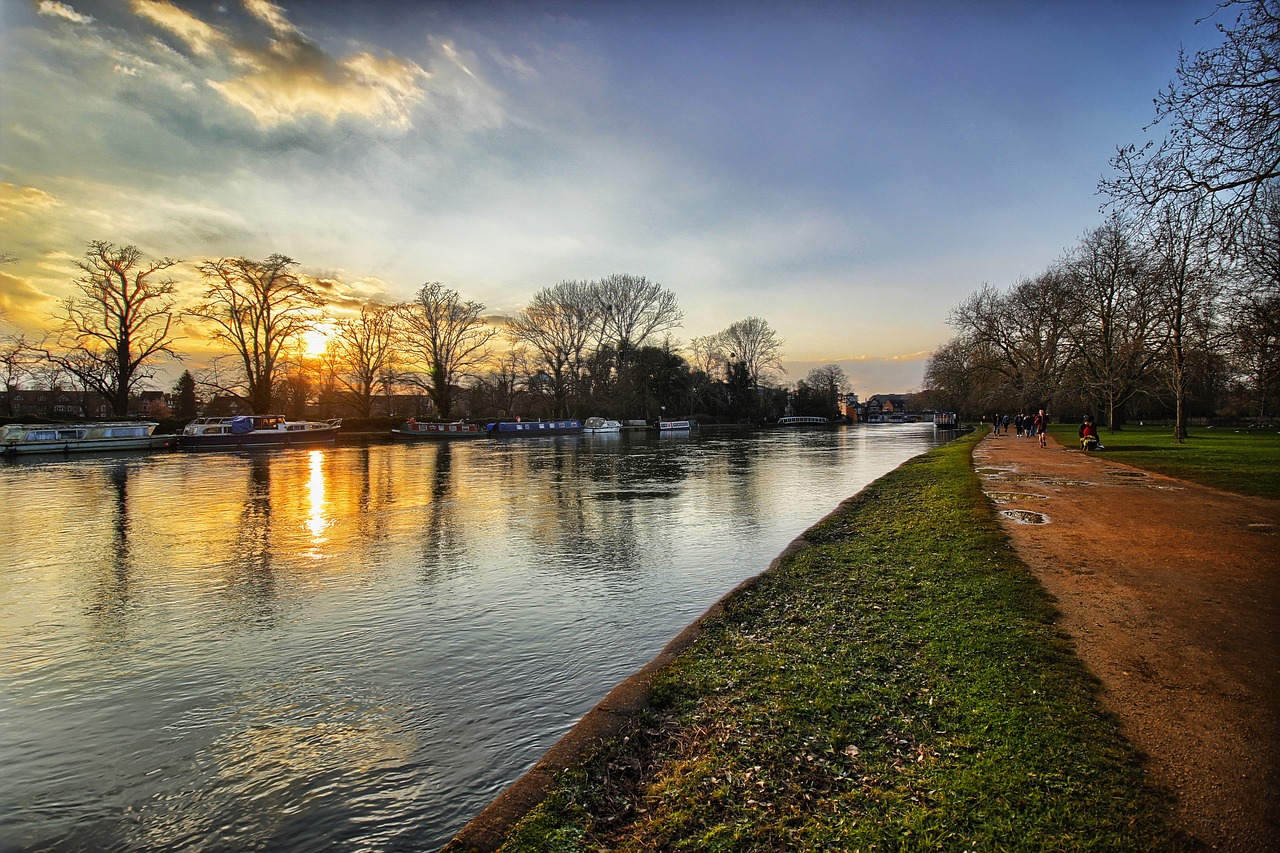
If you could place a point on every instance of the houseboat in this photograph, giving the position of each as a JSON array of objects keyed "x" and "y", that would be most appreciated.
[
  {"x": 457, "y": 429},
  {"x": 257, "y": 431},
  {"x": 530, "y": 429},
  {"x": 600, "y": 425},
  {"x": 676, "y": 426},
  {"x": 82, "y": 437}
]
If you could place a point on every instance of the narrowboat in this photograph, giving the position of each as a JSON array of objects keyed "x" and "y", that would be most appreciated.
[
  {"x": 423, "y": 429},
  {"x": 530, "y": 429},
  {"x": 257, "y": 431},
  {"x": 676, "y": 426},
  {"x": 803, "y": 421}
]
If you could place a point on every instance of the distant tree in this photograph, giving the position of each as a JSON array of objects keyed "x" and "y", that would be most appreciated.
[
  {"x": 186, "y": 406},
  {"x": 556, "y": 327},
  {"x": 361, "y": 353},
  {"x": 756, "y": 346},
  {"x": 260, "y": 309},
  {"x": 113, "y": 332},
  {"x": 828, "y": 384},
  {"x": 448, "y": 337},
  {"x": 1253, "y": 316},
  {"x": 1222, "y": 127}
]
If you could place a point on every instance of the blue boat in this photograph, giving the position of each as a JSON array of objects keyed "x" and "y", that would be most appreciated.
[{"x": 529, "y": 429}]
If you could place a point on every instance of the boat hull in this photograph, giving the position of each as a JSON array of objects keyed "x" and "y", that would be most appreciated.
[{"x": 265, "y": 438}]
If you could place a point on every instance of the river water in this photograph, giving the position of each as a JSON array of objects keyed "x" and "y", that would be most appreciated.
[{"x": 358, "y": 648}]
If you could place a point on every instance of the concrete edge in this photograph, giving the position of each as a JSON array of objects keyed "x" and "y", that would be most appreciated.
[{"x": 487, "y": 831}]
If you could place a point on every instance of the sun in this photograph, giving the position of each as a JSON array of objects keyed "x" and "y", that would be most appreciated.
[{"x": 317, "y": 340}]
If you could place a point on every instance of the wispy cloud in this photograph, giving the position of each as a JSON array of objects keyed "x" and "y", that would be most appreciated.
[
  {"x": 53, "y": 9},
  {"x": 16, "y": 201},
  {"x": 287, "y": 78}
]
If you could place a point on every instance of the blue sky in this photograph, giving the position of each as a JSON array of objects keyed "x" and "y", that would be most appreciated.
[{"x": 849, "y": 171}]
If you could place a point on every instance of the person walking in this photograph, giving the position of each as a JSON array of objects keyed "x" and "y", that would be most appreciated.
[{"x": 1042, "y": 428}]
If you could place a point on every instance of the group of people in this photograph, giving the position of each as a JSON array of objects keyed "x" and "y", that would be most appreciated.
[{"x": 1024, "y": 425}]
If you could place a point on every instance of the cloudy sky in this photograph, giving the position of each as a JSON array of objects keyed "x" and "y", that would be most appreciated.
[{"x": 849, "y": 171}]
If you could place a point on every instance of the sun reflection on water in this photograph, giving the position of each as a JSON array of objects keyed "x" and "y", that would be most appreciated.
[{"x": 317, "y": 519}]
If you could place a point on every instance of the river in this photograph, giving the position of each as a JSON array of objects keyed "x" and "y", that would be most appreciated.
[{"x": 358, "y": 648}]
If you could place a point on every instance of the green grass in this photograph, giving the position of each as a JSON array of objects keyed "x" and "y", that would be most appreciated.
[
  {"x": 899, "y": 686},
  {"x": 1247, "y": 462}
]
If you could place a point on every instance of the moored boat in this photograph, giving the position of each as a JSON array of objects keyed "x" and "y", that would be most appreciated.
[
  {"x": 803, "y": 421},
  {"x": 600, "y": 425},
  {"x": 676, "y": 426},
  {"x": 529, "y": 429},
  {"x": 82, "y": 437},
  {"x": 257, "y": 431},
  {"x": 426, "y": 429}
]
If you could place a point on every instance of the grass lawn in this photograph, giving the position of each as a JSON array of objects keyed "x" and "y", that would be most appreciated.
[
  {"x": 898, "y": 686},
  {"x": 1225, "y": 458}
]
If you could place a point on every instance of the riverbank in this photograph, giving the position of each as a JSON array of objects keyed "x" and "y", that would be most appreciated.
[{"x": 896, "y": 679}]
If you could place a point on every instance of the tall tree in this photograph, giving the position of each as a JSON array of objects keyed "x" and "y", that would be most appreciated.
[
  {"x": 1222, "y": 127},
  {"x": 1254, "y": 313},
  {"x": 260, "y": 309},
  {"x": 1120, "y": 334},
  {"x": 113, "y": 332},
  {"x": 184, "y": 394},
  {"x": 361, "y": 353},
  {"x": 557, "y": 326},
  {"x": 446, "y": 335},
  {"x": 1188, "y": 288}
]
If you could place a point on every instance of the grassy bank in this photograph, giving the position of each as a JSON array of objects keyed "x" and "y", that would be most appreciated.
[
  {"x": 1241, "y": 461},
  {"x": 900, "y": 685}
]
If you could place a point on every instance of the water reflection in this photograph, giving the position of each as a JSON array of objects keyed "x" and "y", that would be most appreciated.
[{"x": 357, "y": 647}]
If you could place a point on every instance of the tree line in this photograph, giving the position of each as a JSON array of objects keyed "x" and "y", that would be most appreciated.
[
  {"x": 602, "y": 347},
  {"x": 1171, "y": 307}
]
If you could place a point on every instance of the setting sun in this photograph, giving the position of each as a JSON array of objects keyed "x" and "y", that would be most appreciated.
[{"x": 317, "y": 340}]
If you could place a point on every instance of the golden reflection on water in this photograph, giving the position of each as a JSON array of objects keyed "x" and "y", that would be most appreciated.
[{"x": 317, "y": 520}]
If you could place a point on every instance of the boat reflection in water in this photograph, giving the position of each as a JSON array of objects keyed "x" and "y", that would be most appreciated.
[{"x": 358, "y": 647}]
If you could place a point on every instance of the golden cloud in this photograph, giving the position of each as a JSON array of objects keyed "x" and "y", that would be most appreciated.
[
  {"x": 362, "y": 86},
  {"x": 54, "y": 9},
  {"x": 16, "y": 201},
  {"x": 203, "y": 39}
]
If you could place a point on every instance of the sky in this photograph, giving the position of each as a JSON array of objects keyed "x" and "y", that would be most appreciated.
[{"x": 848, "y": 171}]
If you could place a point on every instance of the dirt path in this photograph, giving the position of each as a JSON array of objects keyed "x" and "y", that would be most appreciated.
[{"x": 1172, "y": 593}]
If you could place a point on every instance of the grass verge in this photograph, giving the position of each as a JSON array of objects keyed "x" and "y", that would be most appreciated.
[
  {"x": 899, "y": 685},
  {"x": 1237, "y": 460}
]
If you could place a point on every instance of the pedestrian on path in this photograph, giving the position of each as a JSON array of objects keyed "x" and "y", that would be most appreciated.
[{"x": 1042, "y": 428}]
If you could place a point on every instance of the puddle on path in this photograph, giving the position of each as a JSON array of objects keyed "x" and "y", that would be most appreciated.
[
  {"x": 1025, "y": 516},
  {"x": 1014, "y": 497},
  {"x": 1126, "y": 474}
]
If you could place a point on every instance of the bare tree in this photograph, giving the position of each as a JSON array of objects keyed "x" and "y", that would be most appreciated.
[
  {"x": 113, "y": 332},
  {"x": 1120, "y": 335},
  {"x": 260, "y": 309},
  {"x": 1222, "y": 127},
  {"x": 1189, "y": 288},
  {"x": 1253, "y": 317},
  {"x": 756, "y": 346},
  {"x": 557, "y": 326},
  {"x": 363, "y": 351},
  {"x": 448, "y": 336},
  {"x": 633, "y": 310}
]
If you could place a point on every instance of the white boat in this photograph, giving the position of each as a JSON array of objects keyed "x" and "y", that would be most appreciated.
[
  {"x": 802, "y": 421},
  {"x": 82, "y": 437},
  {"x": 600, "y": 425},
  {"x": 258, "y": 431}
]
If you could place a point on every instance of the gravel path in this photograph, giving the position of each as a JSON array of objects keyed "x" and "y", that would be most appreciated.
[{"x": 1172, "y": 593}]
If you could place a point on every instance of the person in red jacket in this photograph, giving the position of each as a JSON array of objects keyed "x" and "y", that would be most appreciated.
[
  {"x": 1088, "y": 434},
  {"x": 1042, "y": 427}
]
